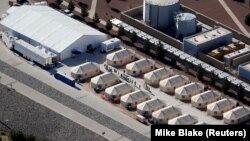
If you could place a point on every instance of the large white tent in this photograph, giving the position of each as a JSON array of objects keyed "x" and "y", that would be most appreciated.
[{"x": 42, "y": 25}]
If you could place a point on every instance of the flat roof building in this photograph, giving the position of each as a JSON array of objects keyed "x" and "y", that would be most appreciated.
[
  {"x": 206, "y": 41},
  {"x": 244, "y": 70},
  {"x": 42, "y": 25},
  {"x": 154, "y": 77}
]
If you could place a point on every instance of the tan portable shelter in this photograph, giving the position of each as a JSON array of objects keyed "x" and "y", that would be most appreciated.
[
  {"x": 85, "y": 71},
  {"x": 154, "y": 77},
  {"x": 121, "y": 57},
  {"x": 163, "y": 115},
  {"x": 170, "y": 84},
  {"x": 115, "y": 92},
  {"x": 148, "y": 107},
  {"x": 217, "y": 108},
  {"x": 134, "y": 98},
  {"x": 185, "y": 119},
  {"x": 187, "y": 91},
  {"x": 205, "y": 98},
  {"x": 237, "y": 115},
  {"x": 140, "y": 67},
  {"x": 104, "y": 80}
]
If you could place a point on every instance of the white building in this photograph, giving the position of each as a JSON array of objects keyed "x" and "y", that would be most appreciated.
[
  {"x": 148, "y": 107},
  {"x": 163, "y": 115},
  {"x": 154, "y": 77},
  {"x": 237, "y": 115},
  {"x": 170, "y": 84},
  {"x": 187, "y": 91},
  {"x": 217, "y": 109},
  {"x": 185, "y": 119},
  {"x": 42, "y": 25},
  {"x": 205, "y": 98},
  {"x": 115, "y": 92}
]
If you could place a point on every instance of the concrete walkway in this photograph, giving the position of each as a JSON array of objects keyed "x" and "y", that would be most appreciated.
[
  {"x": 235, "y": 19},
  {"x": 61, "y": 109}
]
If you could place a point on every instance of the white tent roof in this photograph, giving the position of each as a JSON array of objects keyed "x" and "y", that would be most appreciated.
[
  {"x": 166, "y": 112},
  {"x": 237, "y": 113},
  {"x": 158, "y": 74},
  {"x": 120, "y": 55},
  {"x": 189, "y": 88},
  {"x": 84, "y": 68},
  {"x": 140, "y": 64},
  {"x": 221, "y": 104},
  {"x": 47, "y": 26},
  {"x": 134, "y": 96},
  {"x": 185, "y": 119},
  {"x": 150, "y": 104},
  {"x": 206, "y": 96},
  {"x": 118, "y": 89},
  {"x": 104, "y": 78},
  {"x": 174, "y": 81}
]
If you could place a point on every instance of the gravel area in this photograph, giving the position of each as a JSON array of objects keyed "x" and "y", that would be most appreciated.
[
  {"x": 19, "y": 112},
  {"x": 71, "y": 103}
]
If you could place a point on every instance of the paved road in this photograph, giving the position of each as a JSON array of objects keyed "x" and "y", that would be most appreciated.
[
  {"x": 235, "y": 19},
  {"x": 61, "y": 109}
]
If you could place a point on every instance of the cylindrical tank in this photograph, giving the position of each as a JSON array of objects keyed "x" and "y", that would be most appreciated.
[
  {"x": 185, "y": 24},
  {"x": 160, "y": 13}
]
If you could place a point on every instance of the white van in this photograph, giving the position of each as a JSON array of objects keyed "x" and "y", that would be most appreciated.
[{"x": 141, "y": 119}]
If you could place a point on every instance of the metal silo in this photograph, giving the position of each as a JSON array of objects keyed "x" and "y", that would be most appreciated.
[
  {"x": 160, "y": 13},
  {"x": 185, "y": 24}
]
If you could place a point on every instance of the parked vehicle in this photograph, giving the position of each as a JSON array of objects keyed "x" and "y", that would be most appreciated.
[
  {"x": 141, "y": 119},
  {"x": 110, "y": 45},
  {"x": 64, "y": 78}
]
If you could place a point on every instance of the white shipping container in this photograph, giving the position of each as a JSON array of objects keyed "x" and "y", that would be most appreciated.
[
  {"x": 37, "y": 54},
  {"x": 110, "y": 44}
]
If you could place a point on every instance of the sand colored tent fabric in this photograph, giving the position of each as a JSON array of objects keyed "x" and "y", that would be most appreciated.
[
  {"x": 187, "y": 91},
  {"x": 163, "y": 115},
  {"x": 154, "y": 77},
  {"x": 148, "y": 107},
  {"x": 185, "y": 119},
  {"x": 104, "y": 80},
  {"x": 116, "y": 91},
  {"x": 85, "y": 70},
  {"x": 134, "y": 98},
  {"x": 237, "y": 115},
  {"x": 205, "y": 98},
  {"x": 219, "y": 107},
  {"x": 168, "y": 85},
  {"x": 121, "y": 57},
  {"x": 140, "y": 67}
]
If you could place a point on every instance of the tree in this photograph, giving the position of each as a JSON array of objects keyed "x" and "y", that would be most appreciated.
[
  {"x": 17, "y": 135},
  {"x": 108, "y": 1},
  {"x": 173, "y": 62},
  {"x": 84, "y": 12},
  {"x": 225, "y": 86},
  {"x": 71, "y": 6},
  {"x": 108, "y": 25},
  {"x": 58, "y": 2},
  {"x": 199, "y": 73},
  {"x": 160, "y": 51},
  {"x": 30, "y": 138},
  {"x": 133, "y": 37},
  {"x": 247, "y": 19},
  {"x": 96, "y": 19},
  {"x": 146, "y": 47},
  {"x": 120, "y": 31},
  {"x": 212, "y": 78},
  {"x": 240, "y": 92}
]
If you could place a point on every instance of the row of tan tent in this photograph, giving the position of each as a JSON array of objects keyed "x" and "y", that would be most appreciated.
[
  {"x": 121, "y": 57},
  {"x": 85, "y": 71},
  {"x": 154, "y": 77}
]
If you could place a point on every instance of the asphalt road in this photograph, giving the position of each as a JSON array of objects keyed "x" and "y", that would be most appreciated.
[{"x": 19, "y": 112}]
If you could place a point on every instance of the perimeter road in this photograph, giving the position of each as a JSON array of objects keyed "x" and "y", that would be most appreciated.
[{"x": 61, "y": 109}]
